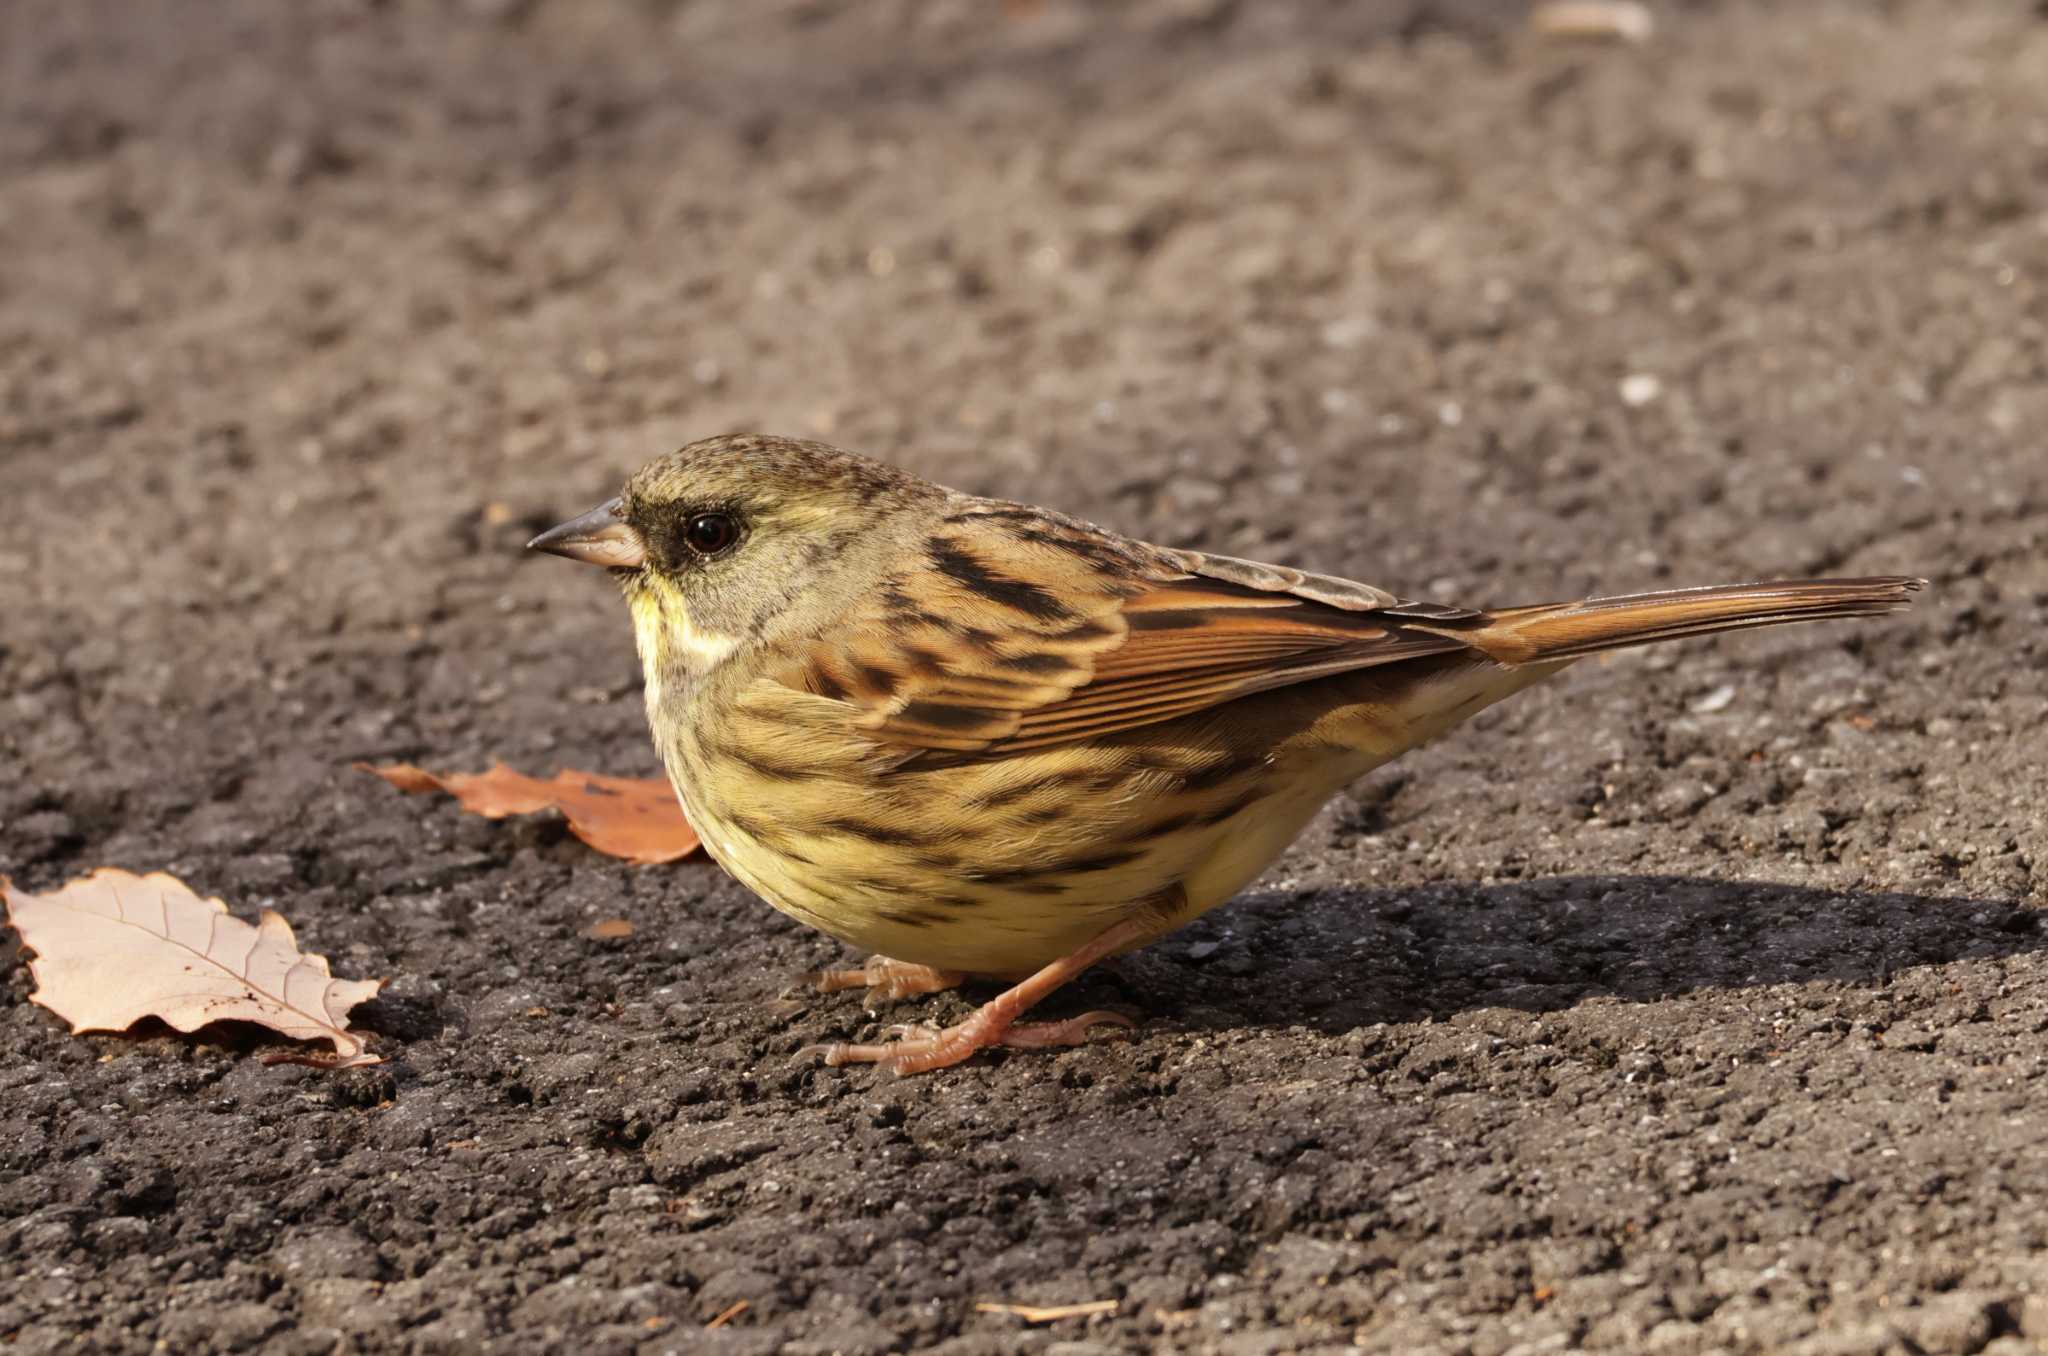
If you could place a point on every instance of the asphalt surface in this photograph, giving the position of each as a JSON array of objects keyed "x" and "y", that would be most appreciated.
[{"x": 1695, "y": 1002}]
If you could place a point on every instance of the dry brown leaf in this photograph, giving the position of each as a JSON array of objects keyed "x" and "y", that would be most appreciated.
[
  {"x": 112, "y": 948},
  {"x": 637, "y": 818},
  {"x": 1037, "y": 1313}
]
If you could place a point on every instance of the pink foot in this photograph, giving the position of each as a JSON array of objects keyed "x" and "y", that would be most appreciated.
[
  {"x": 920, "y": 1049},
  {"x": 995, "y": 1022},
  {"x": 887, "y": 981}
]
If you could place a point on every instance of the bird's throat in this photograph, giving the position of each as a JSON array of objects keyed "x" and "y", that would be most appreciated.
[{"x": 672, "y": 649}]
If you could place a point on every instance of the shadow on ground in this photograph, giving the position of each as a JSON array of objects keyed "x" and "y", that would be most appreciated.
[{"x": 1337, "y": 962}]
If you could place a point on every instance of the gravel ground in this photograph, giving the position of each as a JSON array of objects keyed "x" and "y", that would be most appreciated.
[{"x": 1694, "y": 1002}]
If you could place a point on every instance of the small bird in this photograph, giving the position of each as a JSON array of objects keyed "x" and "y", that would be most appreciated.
[{"x": 978, "y": 738}]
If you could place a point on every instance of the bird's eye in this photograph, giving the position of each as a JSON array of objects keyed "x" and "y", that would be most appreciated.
[{"x": 709, "y": 533}]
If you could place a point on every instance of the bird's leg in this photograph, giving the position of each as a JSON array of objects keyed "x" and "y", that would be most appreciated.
[
  {"x": 887, "y": 981},
  {"x": 995, "y": 1022}
]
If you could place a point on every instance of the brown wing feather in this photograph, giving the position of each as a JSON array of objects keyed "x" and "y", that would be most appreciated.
[
  {"x": 1179, "y": 658},
  {"x": 1021, "y": 630},
  {"x": 1016, "y": 628}
]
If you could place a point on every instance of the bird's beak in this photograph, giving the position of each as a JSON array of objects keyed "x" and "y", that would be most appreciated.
[{"x": 600, "y": 537}]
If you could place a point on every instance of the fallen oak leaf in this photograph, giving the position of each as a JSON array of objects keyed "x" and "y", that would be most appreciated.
[
  {"x": 112, "y": 948},
  {"x": 636, "y": 818}
]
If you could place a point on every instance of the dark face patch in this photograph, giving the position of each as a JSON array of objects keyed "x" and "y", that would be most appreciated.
[{"x": 739, "y": 528}]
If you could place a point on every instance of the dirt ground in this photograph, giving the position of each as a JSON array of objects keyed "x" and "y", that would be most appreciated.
[{"x": 1695, "y": 1002}]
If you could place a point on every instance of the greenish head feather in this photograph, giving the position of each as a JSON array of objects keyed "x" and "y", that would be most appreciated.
[{"x": 808, "y": 526}]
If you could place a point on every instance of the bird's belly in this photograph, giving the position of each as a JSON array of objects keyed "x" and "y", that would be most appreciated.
[
  {"x": 1253, "y": 841},
  {"x": 999, "y": 869},
  {"x": 1002, "y": 920}
]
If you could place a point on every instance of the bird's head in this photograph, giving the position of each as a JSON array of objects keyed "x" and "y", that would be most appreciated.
[{"x": 725, "y": 541}]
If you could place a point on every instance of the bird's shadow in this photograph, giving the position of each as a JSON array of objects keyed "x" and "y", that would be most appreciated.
[{"x": 1335, "y": 962}]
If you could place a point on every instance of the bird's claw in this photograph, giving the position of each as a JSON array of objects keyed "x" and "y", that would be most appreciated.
[
  {"x": 886, "y": 981},
  {"x": 916, "y": 1048}
]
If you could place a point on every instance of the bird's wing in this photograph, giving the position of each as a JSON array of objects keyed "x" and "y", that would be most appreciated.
[{"x": 1019, "y": 629}]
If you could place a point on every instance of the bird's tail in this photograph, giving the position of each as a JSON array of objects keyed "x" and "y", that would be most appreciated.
[{"x": 1554, "y": 631}]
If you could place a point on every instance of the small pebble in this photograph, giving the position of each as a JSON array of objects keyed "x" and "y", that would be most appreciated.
[
  {"x": 1611, "y": 20},
  {"x": 1717, "y": 700},
  {"x": 1639, "y": 389}
]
